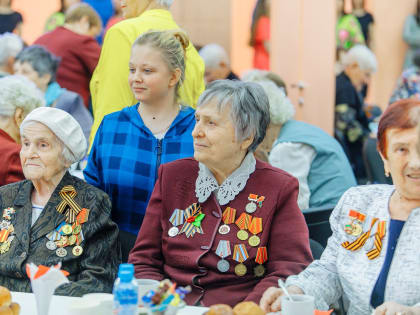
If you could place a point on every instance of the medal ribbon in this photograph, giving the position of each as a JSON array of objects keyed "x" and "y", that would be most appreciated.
[
  {"x": 379, "y": 235},
  {"x": 191, "y": 214},
  {"x": 357, "y": 215},
  {"x": 256, "y": 226},
  {"x": 229, "y": 215},
  {"x": 177, "y": 217},
  {"x": 4, "y": 234},
  {"x": 262, "y": 256},
  {"x": 260, "y": 201},
  {"x": 73, "y": 209},
  {"x": 252, "y": 197},
  {"x": 223, "y": 249},
  {"x": 239, "y": 253},
  {"x": 358, "y": 243},
  {"x": 243, "y": 221}
]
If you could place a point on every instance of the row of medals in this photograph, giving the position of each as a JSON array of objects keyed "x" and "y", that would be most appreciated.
[
  {"x": 240, "y": 269},
  {"x": 6, "y": 224},
  {"x": 68, "y": 238}
]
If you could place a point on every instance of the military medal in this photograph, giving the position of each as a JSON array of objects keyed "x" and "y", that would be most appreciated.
[
  {"x": 193, "y": 217},
  {"x": 177, "y": 218},
  {"x": 51, "y": 245},
  {"x": 243, "y": 223},
  {"x": 260, "y": 259},
  {"x": 354, "y": 227},
  {"x": 61, "y": 252},
  {"x": 72, "y": 240},
  {"x": 6, "y": 230},
  {"x": 228, "y": 217},
  {"x": 255, "y": 227},
  {"x": 260, "y": 201},
  {"x": 67, "y": 230},
  {"x": 76, "y": 229},
  {"x": 251, "y": 207},
  {"x": 240, "y": 255},
  {"x": 77, "y": 250},
  {"x": 223, "y": 251}
]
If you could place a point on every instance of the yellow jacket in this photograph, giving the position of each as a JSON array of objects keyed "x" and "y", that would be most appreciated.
[{"x": 109, "y": 85}]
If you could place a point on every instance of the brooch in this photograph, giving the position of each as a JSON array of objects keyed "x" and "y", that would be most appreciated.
[{"x": 193, "y": 217}]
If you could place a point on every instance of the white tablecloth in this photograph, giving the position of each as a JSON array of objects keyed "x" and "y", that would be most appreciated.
[{"x": 60, "y": 305}]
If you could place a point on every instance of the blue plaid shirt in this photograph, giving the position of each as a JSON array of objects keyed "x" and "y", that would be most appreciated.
[{"x": 125, "y": 158}]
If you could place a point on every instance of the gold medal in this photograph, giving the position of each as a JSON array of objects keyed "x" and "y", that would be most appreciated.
[
  {"x": 72, "y": 240},
  {"x": 242, "y": 235},
  {"x": 259, "y": 271},
  {"x": 240, "y": 270},
  {"x": 77, "y": 228},
  {"x": 67, "y": 229},
  {"x": 4, "y": 247},
  {"x": 254, "y": 241},
  {"x": 77, "y": 250},
  {"x": 357, "y": 229}
]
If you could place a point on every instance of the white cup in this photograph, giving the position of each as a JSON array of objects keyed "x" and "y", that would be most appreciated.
[
  {"x": 301, "y": 305},
  {"x": 85, "y": 307},
  {"x": 105, "y": 300},
  {"x": 145, "y": 285}
]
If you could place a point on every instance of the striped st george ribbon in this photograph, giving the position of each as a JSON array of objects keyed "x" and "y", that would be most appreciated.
[
  {"x": 68, "y": 204},
  {"x": 361, "y": 240},
  {"x": 379, "y": 235}
]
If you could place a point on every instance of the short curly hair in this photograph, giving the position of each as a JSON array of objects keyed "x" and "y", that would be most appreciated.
[{"x": 18, "y": 92}]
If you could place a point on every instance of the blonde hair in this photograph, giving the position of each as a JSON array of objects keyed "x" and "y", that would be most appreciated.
[
  {"x": 172, "y": 45},
  {"x": 77, "y": 11}
]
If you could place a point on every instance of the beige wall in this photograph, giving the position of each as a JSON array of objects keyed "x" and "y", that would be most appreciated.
[{"x": 35, "y": 13}]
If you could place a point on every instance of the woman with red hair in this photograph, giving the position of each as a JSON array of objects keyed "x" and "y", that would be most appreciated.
[{"x": 373, "y": 256}]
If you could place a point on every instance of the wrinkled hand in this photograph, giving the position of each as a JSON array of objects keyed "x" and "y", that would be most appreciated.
[
  {"x": 392, "y": 308},
  {"x": 271, "y": 299}
]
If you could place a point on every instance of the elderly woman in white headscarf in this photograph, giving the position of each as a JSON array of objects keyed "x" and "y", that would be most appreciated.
[
  {"x": 53, "y": 217},
  {"x": 18, "y": 96},
  {"x": 311, "y": 155}
]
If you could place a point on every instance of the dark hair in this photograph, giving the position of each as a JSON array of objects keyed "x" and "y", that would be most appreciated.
[
  {"x": 403, "y": 114},
  {"x": 259, "y": 11},
  {"x": 41, "y": 60}
]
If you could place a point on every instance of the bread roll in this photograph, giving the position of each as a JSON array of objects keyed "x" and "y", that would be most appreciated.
[
  {"x": 5, "y": 297},
  {"x": 247, "y": 308},
  {"x": 220, "y": 309},
  {"x": 15, "y": 308},
  {"x": 6, "y": 310}
]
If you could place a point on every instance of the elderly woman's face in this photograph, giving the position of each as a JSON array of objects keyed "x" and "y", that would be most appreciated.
[
  {"x": 133, "y": 8},
  {"x": 403, "y": 161},
  {"x": 26, "y": 69},
  {"x": 41, "y": 153},
  {"x": 214, "y": 136}
]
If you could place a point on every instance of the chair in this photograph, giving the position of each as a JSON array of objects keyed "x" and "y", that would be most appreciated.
[
  {"x": 317, "y": 220},
  {"x": 316, "y": 249},
  {"x": 127, "y": 240},
  {"x": 374, "y": 164}
]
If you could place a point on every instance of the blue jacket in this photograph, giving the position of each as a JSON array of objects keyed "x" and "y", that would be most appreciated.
[
  {"x": 125, "y": 158},
  {"x": 330, "y": 174}
]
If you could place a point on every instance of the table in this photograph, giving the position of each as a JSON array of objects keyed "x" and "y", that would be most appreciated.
[{"x": 60, "y": 305}]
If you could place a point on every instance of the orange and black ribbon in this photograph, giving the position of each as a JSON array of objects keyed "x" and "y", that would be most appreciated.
[
  {"x": 379, "y": 235},
  {"x": 262, "y": 255},
  {"x": 361, "y": 240},
  {"x": 243, "y": 221},
  {"x": 68, "y": 204},
  {"x": 229, "y": 215}
]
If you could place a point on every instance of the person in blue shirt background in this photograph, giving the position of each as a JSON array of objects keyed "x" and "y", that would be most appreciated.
[{"x": 131, "y": 144}]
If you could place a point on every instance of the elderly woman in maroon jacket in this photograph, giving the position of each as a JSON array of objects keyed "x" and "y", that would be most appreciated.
[{"x": 223, "y": 222}]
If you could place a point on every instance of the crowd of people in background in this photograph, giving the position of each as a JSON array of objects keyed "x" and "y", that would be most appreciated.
[{"x": 113, "y": 115}]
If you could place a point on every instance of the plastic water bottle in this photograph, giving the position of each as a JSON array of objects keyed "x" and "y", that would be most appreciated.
[{"x": 125, "y": 291}]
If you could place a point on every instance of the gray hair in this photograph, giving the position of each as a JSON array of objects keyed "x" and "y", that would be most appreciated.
[
  {"x": 250, "y": 109},
  {"x": 213, "y": 55},
  {"x": 281, "y": 108},
  {"x": 18, "y": 92},
  {"x": 66, "y": 155},
  {"x": 166, "y": 3},
  {"x": 10, "y": 46},
  {"x": 361, "y": 55},
  {"x": 41, "y": 60}
]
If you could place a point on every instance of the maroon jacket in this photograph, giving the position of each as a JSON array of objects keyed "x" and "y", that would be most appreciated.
[
  {"x": 11, "y": 169},
  {"x": 192, "y": 261},
  {"x": 79, "y": 57}
]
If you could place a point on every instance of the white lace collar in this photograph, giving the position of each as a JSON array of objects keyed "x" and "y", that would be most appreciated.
[{"x": 230, "y": 188}]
